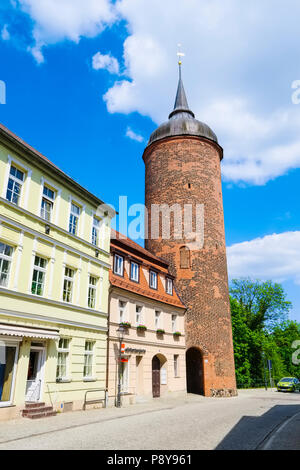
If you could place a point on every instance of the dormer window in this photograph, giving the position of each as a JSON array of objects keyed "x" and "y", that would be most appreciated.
[
  {"x": 169, "y": 286},
  {"x": 119, "y": 265},
  {"x": 134, "y": 271},
  {"x": 153, "y": 280}
]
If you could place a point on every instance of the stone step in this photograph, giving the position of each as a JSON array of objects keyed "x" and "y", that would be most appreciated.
[
  {"x": 30, "y": 405},
  {"x": 40, "y": 409},
  {"x": 46, "y": 414}
]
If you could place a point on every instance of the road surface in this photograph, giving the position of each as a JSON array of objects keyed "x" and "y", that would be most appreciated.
[{"x": 256, "y": 419}]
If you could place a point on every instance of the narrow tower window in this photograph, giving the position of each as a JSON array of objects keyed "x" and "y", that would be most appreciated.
[{"x": 184, "y": 257}]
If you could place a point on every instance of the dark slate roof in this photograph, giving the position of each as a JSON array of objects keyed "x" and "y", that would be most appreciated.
[{"x": 182, "y": 120}]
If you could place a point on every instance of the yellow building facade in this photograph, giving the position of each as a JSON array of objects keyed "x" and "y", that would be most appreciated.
[{"x": 54, "y": 282}]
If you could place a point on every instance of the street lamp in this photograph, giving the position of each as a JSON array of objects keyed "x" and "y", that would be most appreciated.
[{"x": 120, "y": 332}]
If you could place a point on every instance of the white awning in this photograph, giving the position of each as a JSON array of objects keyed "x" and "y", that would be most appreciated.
[{"x": 24, "y": 332}]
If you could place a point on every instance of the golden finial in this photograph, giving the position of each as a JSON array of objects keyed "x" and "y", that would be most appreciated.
[{"x": 180, "y": 54}]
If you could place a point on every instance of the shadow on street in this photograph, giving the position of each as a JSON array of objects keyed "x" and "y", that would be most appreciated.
[{"x": 252, "y": 432}]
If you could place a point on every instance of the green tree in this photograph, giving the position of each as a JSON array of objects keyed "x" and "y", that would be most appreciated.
[
  {"x": 264, "y": 303},
  {"x": 284, "y": 335}
]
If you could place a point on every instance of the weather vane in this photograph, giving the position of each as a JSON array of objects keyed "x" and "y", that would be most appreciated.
[{"x": 180, "y": 54}]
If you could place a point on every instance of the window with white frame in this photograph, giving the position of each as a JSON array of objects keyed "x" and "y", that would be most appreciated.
[
  {"x": 6, "y": 252},
  {"x": 157, "y": 319},
  {"x": 153, "y": 280},
  {"x": 176, "y": 368},
  {"x": 38, "y": 277},
  {"x": 92, "y": 292},
  {"x": 68, "y": 284},
  {"x": 88, "y": 359},
  {"x": 134, "y": 271},
  {"x": 47, "y": 203},
  {"x": 174, "y": 323},
  {"x": 74, "y": 218},
  {"x": 14, "y": 186},
  {"x": 138, "y": 315},
  {"x": 118, "y": 265},
  {"x": 95, "y": 231},
  {"x": 62, "y": 359},
  {"x": 122, "y": 311},
  {"x": 169, "y": 286}
]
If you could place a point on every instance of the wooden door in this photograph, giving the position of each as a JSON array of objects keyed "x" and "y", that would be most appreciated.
[{"x": 156, "y": 377}]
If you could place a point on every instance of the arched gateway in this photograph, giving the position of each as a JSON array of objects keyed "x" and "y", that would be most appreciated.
[{"x": 194, "y": 371}]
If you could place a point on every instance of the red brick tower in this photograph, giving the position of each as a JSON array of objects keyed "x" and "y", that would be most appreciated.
[{"x": 182, "y": 163}]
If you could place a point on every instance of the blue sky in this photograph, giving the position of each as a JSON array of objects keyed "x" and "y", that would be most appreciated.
[{"x": 87, "y": 82}]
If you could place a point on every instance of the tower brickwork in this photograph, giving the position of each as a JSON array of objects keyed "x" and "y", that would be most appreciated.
[{"x": 182, "y": 162}]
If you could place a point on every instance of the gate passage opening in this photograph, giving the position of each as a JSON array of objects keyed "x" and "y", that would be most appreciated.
[{"x": 194, "y": 371}]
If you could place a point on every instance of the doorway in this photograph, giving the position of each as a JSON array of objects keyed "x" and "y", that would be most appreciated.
[
  {"x": 156, "y": 377},
  {"x": 34, "y": 374},
  {"x": 194, "y": 371}
]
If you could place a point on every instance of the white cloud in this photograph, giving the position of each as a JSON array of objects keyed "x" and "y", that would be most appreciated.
[
  {"x": 274, "y": 257},
  {"x": 5, "y": 35},
  {"x": 106, "y": 62},
  {"x": 238, "y": 72},
  {"x": 58, "y": 20},
  {"x": 133, "y": 135}
]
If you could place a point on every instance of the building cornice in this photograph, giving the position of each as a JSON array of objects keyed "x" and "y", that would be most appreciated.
[
  {"x": 149, "y": 149},
  {"x": 147, "y": 343},
  {"x": 57, "y": 303},
  {"x": 53, "y": 320},
  {"x": 53, "y": 241}
]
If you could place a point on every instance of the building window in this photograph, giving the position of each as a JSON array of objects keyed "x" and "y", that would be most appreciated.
[
  {"x": 92, "y": 292},
  {"x": 68, "y": 285},
  {"x": 134, "y": 271},
  {"x": 122, "y": 309},
  {"x": 138, "y": 315},
  {"x": 157, "y": 319},
  {"x": 184, "y": 257},
  {"x": 176, "y": 369},
  {"x": 95, "y": 231},
  {"x": 174, "y": 323},
  {"x": 153, "y": 280},
  {"x": 74, "y": 217},
  {"x": 38, "y": 277},
  {"x": 169, "y": 286},
  {"x": 6, "y": 252},
  {"x": 119, "y": 265},
  {"x": 8, "y": 354},
  {"x": 88, "y": 359},
  {"x": 62, "y": 358},
  {"x": 15, "y": 182},
  {"x": 47, "y": 203}
]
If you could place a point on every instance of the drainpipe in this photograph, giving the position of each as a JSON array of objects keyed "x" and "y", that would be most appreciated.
[{"x": 107, "y": 348}]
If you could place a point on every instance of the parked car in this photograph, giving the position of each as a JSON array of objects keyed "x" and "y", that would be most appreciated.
[{"x": 288, "y": 384}]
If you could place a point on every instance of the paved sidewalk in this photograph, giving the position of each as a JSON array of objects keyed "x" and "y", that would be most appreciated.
[{"x": 19, "y": 428}]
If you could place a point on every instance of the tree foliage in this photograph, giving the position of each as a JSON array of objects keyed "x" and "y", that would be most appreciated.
[
  {"x": 262, "y": 331},
  {"x": 264, "y": 303}
]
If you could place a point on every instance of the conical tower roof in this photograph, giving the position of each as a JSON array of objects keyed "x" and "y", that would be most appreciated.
[
  {"x": 182, "y": 120},
  {"x": 181, "y": 104}
]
